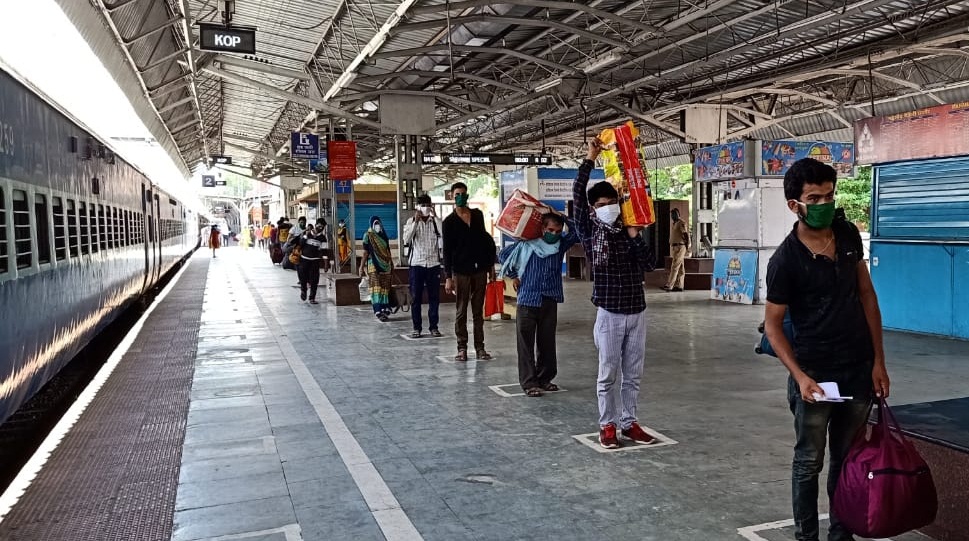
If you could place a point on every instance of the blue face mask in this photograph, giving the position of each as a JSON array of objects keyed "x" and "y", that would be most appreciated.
[{"x": 551, "y": 238}]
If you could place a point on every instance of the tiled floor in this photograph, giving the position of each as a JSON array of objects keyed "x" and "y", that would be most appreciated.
[{"x": 321, "y": 423}]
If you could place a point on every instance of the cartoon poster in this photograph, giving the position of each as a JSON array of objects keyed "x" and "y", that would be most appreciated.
[
  {"x": 734, "y": 276},
  {"x": 777, "y": 157},
  {"x": 719, "y": 162}
]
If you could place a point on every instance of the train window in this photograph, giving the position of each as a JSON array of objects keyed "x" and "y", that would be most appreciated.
[
  {"x": 84, "y": 233},
  {"x": 93, "y": 214},
  {"x": 118, "y": 229},
  {"x": 60, "y": 235},
  {"x": 126, "y": 238},
  {"x": 109, "y": 222},
  {"x": 73, "y": 241},
  {"x": 4, "y": 249},
  {"x": 115, "y": 232},
  {"x": 21, "y": 229},
  {"x": 43, "y": 228},
  {"x": 102, "y": 228}
]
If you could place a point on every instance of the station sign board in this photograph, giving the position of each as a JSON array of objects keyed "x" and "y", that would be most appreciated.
[
  {"x": 227, "y": 39},
  {"x": 342, "y": 156},
  {"x": 933, "y": 132},
  {"x": 304, "y": 146},
  {"x": 221, "y": 160},
  {"x": 486, "y": 159},
  {"x": 208, "y": 181}
]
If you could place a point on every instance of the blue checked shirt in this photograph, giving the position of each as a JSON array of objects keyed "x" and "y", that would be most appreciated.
[
  {"x": 542, "y": 276},
  {"x": 617, "y": 284}
]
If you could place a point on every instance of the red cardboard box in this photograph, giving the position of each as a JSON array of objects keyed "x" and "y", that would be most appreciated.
[{"x": 522, "y": 216}]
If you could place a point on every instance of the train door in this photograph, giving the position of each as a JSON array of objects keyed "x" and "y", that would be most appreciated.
[
  {"x": 146, "y": 211},
  {"x": 158, "y": 243}
]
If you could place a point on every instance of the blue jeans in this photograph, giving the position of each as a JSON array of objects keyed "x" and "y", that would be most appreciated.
[
  {"x": 421, "y": 279},
  {"x": 813, "y": 424}
]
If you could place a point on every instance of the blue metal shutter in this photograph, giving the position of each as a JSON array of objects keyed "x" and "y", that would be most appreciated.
[{"x": 927, "y": 199}]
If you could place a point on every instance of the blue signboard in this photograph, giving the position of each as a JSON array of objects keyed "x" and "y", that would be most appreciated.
[
  {"x": 319, "y": 166},
  {"x": 342, "y": 186},
  {"x": 304, "y": 146},
  {"x": 734, "y": 275},
  {"x": 776, "y": 157},
  {"x": 719, "y": 162}
]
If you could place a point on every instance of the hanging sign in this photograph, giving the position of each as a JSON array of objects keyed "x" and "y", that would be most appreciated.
[
  {"x": 776, "y": 157},
  {"x": 719, "y": 162},
  {"x": 221, "y": 160},
  {"x": 342, "y": 186},
  {"x": 228, "y": 39},
  {"x": 304, "y": 146},
  {"x": 926, "y": 133},
  {"x": 486, "y": 159},
  {"x": 342, "y": 156},
  {"x": 208, "y": 181}
]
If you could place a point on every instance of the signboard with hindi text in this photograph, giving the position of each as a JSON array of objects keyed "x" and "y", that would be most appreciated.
[
  {"x": 342, "y": 156},
  {"x": 932, "y": 132}
]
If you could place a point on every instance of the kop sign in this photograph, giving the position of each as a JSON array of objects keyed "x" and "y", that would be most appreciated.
[{"x": 232, "y": 39}]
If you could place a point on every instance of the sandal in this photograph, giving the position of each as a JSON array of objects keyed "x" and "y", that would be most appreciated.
[
  {"x": 483, "y": 355},
  {"x": 550, "y": 387},
  {"x": 534, "y": 391},
  {"x": 462, "y": 356}
]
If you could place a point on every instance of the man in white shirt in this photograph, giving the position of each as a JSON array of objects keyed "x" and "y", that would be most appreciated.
[{"x": 422, "y": 234}]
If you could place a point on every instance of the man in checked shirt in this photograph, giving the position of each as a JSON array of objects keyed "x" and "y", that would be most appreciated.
[{"x": 618, "y": 257}]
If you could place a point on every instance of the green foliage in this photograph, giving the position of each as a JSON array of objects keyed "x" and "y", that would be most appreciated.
[
  {"x": 672, "y": 182},
  {"x": 854, "y": 195}
]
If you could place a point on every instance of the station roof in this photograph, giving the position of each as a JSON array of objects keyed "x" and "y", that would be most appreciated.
[{"x": 502, "y": 74}]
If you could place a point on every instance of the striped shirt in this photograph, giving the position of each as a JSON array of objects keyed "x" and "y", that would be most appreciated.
[
  {"x": 617, "y": 283},
  {"x": 424, "y": 239},
  {"x": 542, "y": 276}
]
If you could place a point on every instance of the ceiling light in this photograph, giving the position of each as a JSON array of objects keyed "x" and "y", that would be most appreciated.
[
  {"x": 551, "y": 83},
  {"x": 597, "y": 64}
]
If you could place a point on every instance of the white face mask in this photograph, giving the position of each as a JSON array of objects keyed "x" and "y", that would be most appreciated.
[
  {"x": 377, "y": 228},
  {"x": 426, "y": 211},
  {"x": 608, "y": 214}
]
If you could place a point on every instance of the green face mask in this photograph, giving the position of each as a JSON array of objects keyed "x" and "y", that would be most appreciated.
[
  {"x": 818, "y": 216},
  {"x": 551, "y": 238},
  {"x": 461, "y": 199}
]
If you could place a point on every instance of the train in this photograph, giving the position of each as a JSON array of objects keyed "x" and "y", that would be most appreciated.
[{"x": 83, "y": 235}]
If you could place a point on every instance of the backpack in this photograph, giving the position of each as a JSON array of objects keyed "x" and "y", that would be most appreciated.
[{"x": 283, "y": 235}]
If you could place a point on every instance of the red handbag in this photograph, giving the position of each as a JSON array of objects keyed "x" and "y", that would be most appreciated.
[
  {"x": 885, "y": 487},
  {"x": 494, "y": 298}
]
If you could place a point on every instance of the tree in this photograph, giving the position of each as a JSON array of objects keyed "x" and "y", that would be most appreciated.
[{"x": 854, "y": 195}]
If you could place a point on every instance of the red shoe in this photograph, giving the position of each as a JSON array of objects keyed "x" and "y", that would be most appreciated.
[
  {"x": 607, "y": 437},
  {"x": 638, "y": 435}
]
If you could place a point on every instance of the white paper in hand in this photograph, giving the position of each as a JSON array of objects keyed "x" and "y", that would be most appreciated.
[{"x": 831, "y": 392}]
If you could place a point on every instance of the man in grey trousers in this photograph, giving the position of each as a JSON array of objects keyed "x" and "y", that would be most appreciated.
[{"x": 619, "y": 258}]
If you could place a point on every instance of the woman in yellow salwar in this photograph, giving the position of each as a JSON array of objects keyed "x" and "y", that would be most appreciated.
[
  {"x": 379, "y": 265},
  {"x": 343, "y": 244}
]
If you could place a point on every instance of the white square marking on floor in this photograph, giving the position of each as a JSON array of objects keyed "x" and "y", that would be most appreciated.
[
  {"x": 407, "y": 336},
  {"x": 471, "y": 360},
  {"x": 750, "y": 532},
  {"x": 592, "y": 441},
  {"x": 505, "y": 394}
]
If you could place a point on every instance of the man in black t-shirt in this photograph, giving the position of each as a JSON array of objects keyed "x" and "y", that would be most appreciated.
[{"x": 819, "y": 274}]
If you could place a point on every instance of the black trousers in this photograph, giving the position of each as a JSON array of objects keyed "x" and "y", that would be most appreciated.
[
  {"x": 537, "y": 325},
  {"x": 309, "y": 275}
]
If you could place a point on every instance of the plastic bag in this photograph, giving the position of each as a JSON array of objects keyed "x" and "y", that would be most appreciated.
[
  {"x": 364, "y": 288},
  {"x": 494, "y": 298},
  {"x": 624, "y": 171}
]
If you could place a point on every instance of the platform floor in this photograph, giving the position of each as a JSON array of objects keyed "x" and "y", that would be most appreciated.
[{"x": 321, "y": 423}]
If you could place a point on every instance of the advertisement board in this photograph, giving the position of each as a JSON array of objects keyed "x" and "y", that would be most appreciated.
[{"x": 734, "y": 276}]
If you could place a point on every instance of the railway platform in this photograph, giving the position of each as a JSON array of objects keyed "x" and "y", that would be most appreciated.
[{"x": 240, "y": 412}]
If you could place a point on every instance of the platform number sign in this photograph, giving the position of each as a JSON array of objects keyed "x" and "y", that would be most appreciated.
[{"x": 208, "y": 181}]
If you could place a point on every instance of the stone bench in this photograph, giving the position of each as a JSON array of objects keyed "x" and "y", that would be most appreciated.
[{"x": 940, "y": 432}]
